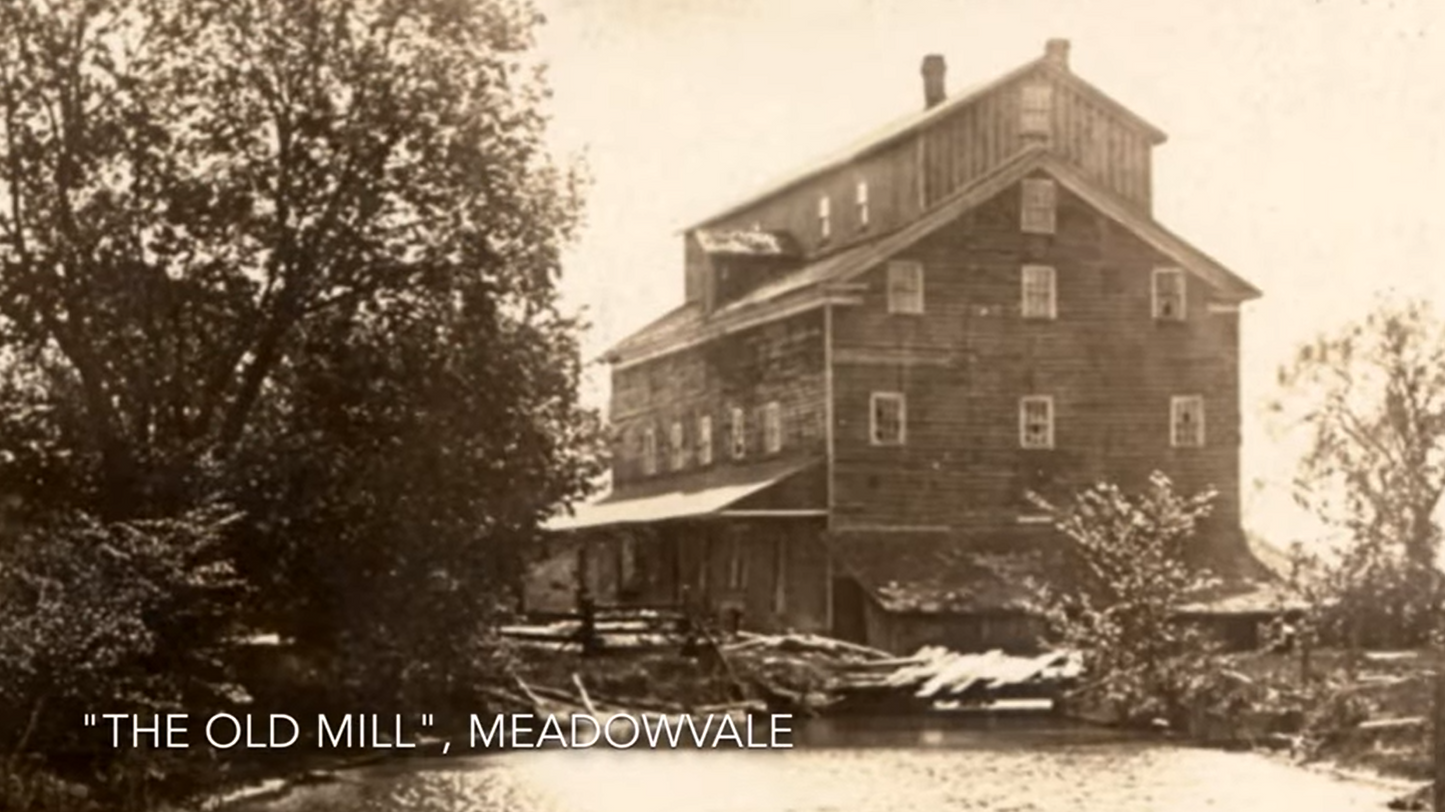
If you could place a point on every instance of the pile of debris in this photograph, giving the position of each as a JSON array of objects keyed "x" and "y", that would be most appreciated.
[
  {"x": 608, "y": 629},
  {"x": 819, "y": 673}
]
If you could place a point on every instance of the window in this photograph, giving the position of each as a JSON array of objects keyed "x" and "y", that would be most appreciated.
[
  {"x": 1169, "y": 294},
  {"x": 677, "y": 450},
  {"x": 1039, "y": 298},
  {"x": 1186, "y": 421},
  {"x": 1039, "y": 198},
  {"x": 738, "y": 564},
  {"x": 862, "y": 204},
  {"x": 887, "y": 418},
  {"x": 825, "y": 217},
  {"x": 738, "y": 434},
  {"x": 704, "y": 440},
  {"x": 1036, "y": 422},
  {"x": 772, "y": 428},
  {"x": 1036, "y": 109},
  {"x": 905, "y": 287},
  {"x": 649, "y": 451}
]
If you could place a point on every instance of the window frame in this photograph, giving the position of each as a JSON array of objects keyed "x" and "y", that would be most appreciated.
[
  {"x": 649, "y": 451},
  {"x": 677, "y": 446},
  {"x": 1154, "y": 293},
  {"x": 825, "y": 218},
  {"x": 1036, "y": 109},
  {"x": 738, "y": 433},
  {"x": 1176, "y": 409},
  {"x": 874, "y": 400},
  {"x": 861, "y": 202},
  {"x": 772, "y": 427},
  {"x": 1052, "y": 311},
  {"x": 704, "y": 440},
  {"x": 897, "y": 304},
  {"x": 1034, "y": 217},
  {"x": 1024, "y": 403}
]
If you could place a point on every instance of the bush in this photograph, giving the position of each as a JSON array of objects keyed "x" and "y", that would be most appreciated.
[{"x": 126, "y": 618}]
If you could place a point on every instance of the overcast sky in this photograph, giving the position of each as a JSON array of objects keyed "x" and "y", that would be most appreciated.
[{"x": 1306, "y": 142}]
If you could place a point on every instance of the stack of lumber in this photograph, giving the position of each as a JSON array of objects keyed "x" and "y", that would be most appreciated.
[{"x": 937, "y": 674}]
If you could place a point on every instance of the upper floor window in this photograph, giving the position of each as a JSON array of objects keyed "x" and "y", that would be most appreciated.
[
  {"x": 1186, "y": 421},
  {"x": 649, "y": 451},
  {"x": 738, "y": 433},
  {"x": 1169, "y": 294},
  {"x": 1036, "y": 109},
  {"x": 887, "y": 419},
  {"x": 825, "y": 217},
  {"x": 772, "y": 428},
  {"x": 704, "y": 440},
  {"x": 862, "y": 201},
  {"x": 676, "y": 447},
  {"x": 1040, "y": 300},
  {"x": 1038, "y": 209},
  {"x": 905, "y": 287},
  {"x": 1036, "y": 421}
]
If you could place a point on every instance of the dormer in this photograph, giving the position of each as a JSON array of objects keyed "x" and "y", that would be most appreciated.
[{"x": 724, "y": 264}]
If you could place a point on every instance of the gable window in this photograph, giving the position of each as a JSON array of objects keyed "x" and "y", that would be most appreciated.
[
  {"x": 738, "y": 434},
  {"x": 649, "y": 451},
  {"x": 1036, "y": 109},
  {"x": 704, "y": 440},
  {"x": 1036, "y": 421},
  {"x": 862, "y": 201},
  {"x": 1169, "y": 294},
  {"x": 1038, "y": 209},
  {"x": 1186, "y": 421},
  {"x": 676, "y": 447},
  {"x": 825, "y": 217},
  {"x": 772, "y": 428},
  {"x": 887, "y": 419},
  {"x": 1040, "y": 300},
  {"x": 905, "y": 287}
]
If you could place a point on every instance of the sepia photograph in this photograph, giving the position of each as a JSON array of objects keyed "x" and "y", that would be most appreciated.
[{"x": 721, "y": 405}]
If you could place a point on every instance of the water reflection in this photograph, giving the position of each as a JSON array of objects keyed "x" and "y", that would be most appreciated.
[{"x": 860, "y": 765}]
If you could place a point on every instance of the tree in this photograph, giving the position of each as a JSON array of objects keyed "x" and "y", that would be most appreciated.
[
  {"x": 300, "y": 258},
  {"x": 1370, "y": 400},
  {"x": 1123, "y": 613}
]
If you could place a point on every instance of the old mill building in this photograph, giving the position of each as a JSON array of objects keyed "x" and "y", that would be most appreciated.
[{"x": 878, "y": 358}]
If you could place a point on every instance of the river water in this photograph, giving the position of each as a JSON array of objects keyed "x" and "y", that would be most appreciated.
[{"x": 872, "y": 767}]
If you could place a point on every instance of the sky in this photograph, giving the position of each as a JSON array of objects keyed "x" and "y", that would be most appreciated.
[{"x": 1306, "y": 142}]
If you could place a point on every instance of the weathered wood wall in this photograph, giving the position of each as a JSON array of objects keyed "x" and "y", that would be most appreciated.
[
  {"x": 963, "y": 364},
  {"x": 781, "y": 361}
]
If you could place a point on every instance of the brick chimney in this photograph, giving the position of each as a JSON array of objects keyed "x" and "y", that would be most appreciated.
[
  {"x": 1056, "y": 51},
  {"x": 934, "y": 70}
]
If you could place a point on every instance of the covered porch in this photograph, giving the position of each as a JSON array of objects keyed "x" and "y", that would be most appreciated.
[{"x": 741, "y": 543}]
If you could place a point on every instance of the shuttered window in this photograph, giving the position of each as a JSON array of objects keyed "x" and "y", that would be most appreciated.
[
  {"x": 677, "y": 447},
  {"x": 1039, "y": 298},
  {"x": 1036, "y": 109},
  {"x": 1169, "y": 303},
  {"x": 649, "y": 451},
  {"x": 772, "y": 428},
  {"x": 888, "y": 418},
  {"x": 738, "y": 434},
  {"x": 1038, "y": 209},
  {"x": 905, "y": 287},
  {"x": 1186, "y": 421},
  {"x": 1036, "y": 422},
  {"x": 704, "y": 440}
]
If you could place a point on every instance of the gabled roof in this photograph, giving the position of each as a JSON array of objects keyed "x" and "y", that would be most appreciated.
[
  {"x": 918, "y": 121},
  {"x": 813, "y": 284}
]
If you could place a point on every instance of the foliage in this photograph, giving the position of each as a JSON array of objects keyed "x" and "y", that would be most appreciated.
[
  {"x": 1123, "y": 617},
  {"x": 126, "y": 617},
  {"x": 1370, "y": 399},
  {"x": 297, "y": 258}
]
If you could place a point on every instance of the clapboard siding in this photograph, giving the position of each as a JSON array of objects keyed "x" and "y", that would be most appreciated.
[
  {"x": 964, "y": 363},
  {"x": 781, "y": 361}
]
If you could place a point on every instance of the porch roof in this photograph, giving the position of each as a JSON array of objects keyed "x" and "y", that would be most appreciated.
[{"x": 711, "y": 493}]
